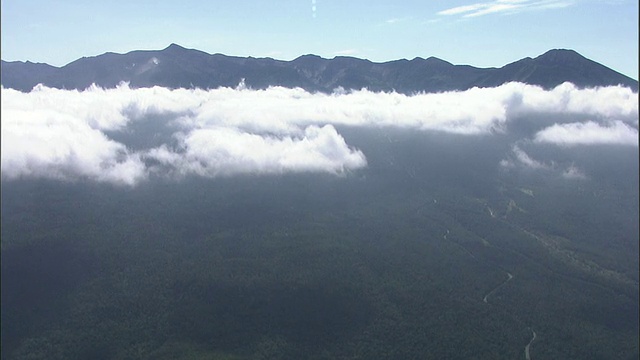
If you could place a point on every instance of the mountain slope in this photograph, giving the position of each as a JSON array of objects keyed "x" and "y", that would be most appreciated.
[
  {"x": 554, "y": 67},
  {"x": 178, "y": 67}
]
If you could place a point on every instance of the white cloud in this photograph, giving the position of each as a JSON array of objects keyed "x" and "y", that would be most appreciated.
[
  {"x": 610, "y": 102},
  {"x": 346, "y": 52},
  {"x": 392, "y": 21},
  {"x": 572, "y": 172},
  {"x": 223, "y": 151},
  {"x": 521, "y": 158},
  {"x": 66, "y": 134},
  {"x": 47, "y": 137},
  {"x": 589, "y": 133},
  {"x": 463, "y": 9},
  {"x": 504, "y": 7},
  {"x": 518, "y": 158}
]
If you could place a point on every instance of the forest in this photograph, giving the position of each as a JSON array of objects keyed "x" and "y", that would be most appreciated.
[{"x": 432, "y": 251}]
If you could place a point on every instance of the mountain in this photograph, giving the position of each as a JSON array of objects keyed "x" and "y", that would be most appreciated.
[{"x": 178, "y": 67}]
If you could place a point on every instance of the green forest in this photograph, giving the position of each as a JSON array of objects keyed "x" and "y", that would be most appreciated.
[{"x": 433, "y": 251}]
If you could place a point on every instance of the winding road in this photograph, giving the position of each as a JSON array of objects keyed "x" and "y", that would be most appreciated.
[
  {"x": 510, "y": 276},
  {"x": 526, "y": 348},
  {"x": 498, "y": 287}
]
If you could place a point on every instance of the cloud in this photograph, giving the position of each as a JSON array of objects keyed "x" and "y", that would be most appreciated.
[
  {"x": 46, "y": 137},
  {"x": 392, "y": 21},
  {"x": 71, "y": 135},
  {"x": 273, "y": 54},
  {"x": 474, "y": 111},
  {"x": 223, "y": 151},
  {"x": 572, "y": 172},
  {"x": 521, "y": 158},
  {"x": 595, "y": 101},
  {"x": 346, "y": 52},
  {"x": 589, "y": 133},
  {"x": 504, "y": 7}
]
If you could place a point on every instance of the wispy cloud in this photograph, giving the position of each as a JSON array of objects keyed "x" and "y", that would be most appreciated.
[
  {"x": 274, "y": 53},
  {"x": 520, "y": 158},
  {"x": 572, "y": 172},
  {"x": 503, "y": 7},
  {"x": 346, "y": 52},
  {"x": 396, "y": 20}
]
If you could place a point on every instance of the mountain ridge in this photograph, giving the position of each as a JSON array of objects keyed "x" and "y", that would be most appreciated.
[{"x": 178, "y": 67}]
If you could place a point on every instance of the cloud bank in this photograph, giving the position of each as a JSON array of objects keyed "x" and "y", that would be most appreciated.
[{"x": 70, "y": 135}]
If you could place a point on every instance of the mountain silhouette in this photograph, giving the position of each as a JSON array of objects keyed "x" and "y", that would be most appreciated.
[{"x": 178, "y": 67}]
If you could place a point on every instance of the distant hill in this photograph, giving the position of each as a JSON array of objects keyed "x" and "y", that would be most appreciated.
[{"x": 178, "y": 67}]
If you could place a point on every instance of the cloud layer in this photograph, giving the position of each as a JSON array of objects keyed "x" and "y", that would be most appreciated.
[{"x": 68, "y": 135}]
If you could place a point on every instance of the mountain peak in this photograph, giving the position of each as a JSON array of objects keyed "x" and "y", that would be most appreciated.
[
  {"x": 562, "y": 56},
  {"x": 308, "y": 56},
  {"x": 174, "y": 47},
  {"x": 436, "y": 61}
]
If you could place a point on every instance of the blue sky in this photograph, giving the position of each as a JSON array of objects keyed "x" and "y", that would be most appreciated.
[{"x": 479, "y": 33}]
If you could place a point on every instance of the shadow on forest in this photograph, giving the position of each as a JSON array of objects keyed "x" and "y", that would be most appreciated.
[
  {"x": 36, "y": 280},
  {"x": 229, "y": 316}
]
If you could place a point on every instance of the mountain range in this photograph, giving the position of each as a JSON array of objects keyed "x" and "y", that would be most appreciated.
[{"x": 178, "y": 67}]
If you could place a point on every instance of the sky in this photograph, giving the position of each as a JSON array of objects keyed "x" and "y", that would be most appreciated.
[{"x": 489, "y": 33}]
